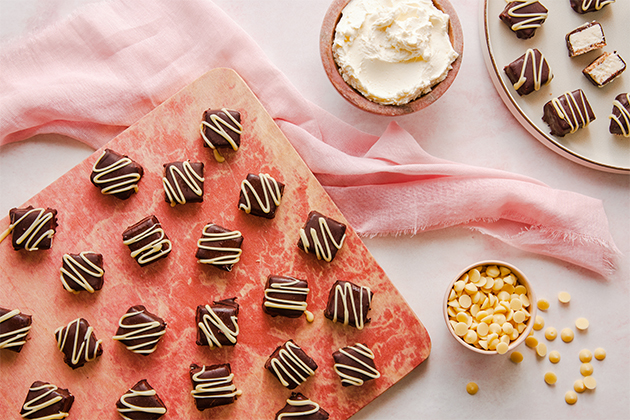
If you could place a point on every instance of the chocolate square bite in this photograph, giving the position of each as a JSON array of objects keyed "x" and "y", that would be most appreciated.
[
  {"x": 46, "y": 401},
  {"x": 523, "y": 17},
  {"x": 260, "y": 195},
  {"x": 585, "y": 38},
  {"x": 219, "y": 247},
  {"x": 147, "y": 241},
  {"x": 568, "y": 113},
  {"x": 291, "y": 365},
  {"x": 529, "y": 72},
  {"x": 141, "y": 402},
  {"x": 14, "y": 329},
  {"x": 355, "y": 365},
  {"x": 301, "y": 407},
  {"x": 587, "y": 6},
  {"x": 116, "y": 174},
  {"x": 620, "y": 116},
  {"x": 322, "y": 236},
  {"x": 286, "y": 296},
  {"x": 183, "y": 182},
  {"x": 32, "y": 228},
  {"x": 605, "y": 69},
  {"x": 78, "y": 343},
  {"x": 82, "y": 272},
  {"x": 213, "y": 385},
  {"x": 217, "y": 324},
  {"x": 349, "y": 304},
  {"x": 140, "y": 330},
  {"x": 221, "y": 131}
]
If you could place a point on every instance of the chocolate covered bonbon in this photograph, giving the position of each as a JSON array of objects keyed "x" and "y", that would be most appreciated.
[
  {"x": 141, "y": 402},
  {"x": 147, "y": 241},
  {"x": 221, "y": 130},
  {"x": 140, "y": 330},
  {"x": 355, "y": 365},
  {"x": 213, "y": 386},
  {"x": 620, "y": 115},
  {"x": 585, "y": 38},
  {"x": 32, "y": 228},
  {"x": 260, "y": 195},
  {"x": 14, "y": 329},
  {"x": 82, "y": 272},
  {"x": 46, "y": 401},
  {"x": 217, "y": 324},
  {"x": 183, "y": 182},
  {"x": 290, "y": 364},
  {"x": 587, "y": 6},
  {"x": 286, "y": 296},
  {"x": 605, "y": 69},
  {"x": 300, "y": 407},
  {"x": 78, "y": 343},
  {"x": 116, "y": 174},
  {"x": 322, "y": 236},
  {"x": 349, "y": 304},
  {"x": 219, "y": 247},
  {"x": 567, "y": 113},
  {"x": 524, "y": 17},
  {"x": 529, "y": 72}
]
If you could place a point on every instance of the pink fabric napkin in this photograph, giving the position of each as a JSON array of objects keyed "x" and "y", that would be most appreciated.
[{"x": 94, "y": 74}]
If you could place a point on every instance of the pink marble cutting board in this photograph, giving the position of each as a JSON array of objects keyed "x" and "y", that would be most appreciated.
[{"x": 173, "y": 287}]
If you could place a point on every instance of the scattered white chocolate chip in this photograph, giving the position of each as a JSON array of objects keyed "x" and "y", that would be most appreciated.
[
  {"x": 554, "y": 356},
  {"x": 585, "y": 355},
  {"x": 550, "y": 378},
  {"x": 472, "y": 388},
  {"x": 531, "y": 342},
  {"x": 541, "y": 349},
  {"x": 586, "y": 369},
  {"x": 551, "y": 333},
  {"x": 539, "y": 323},
  {"x": 581, "y": 324},
  {"x": 570, "y": 397},
  {"x": 516, "y": 357},
  {"x": 600, "y": 353},
  {"x": 590, "y": 382},
  {"x": 564, "y": 297},
  {"x": 543, "y": 304},
  {"x": 567, "y": 335}
]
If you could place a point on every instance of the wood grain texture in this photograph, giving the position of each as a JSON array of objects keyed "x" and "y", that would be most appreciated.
[{"x": 173, "y": 287}]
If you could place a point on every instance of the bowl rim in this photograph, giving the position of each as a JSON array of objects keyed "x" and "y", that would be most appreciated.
[
  {"x": 327, "y": 34},
  {"x": 530, "y": 294}
]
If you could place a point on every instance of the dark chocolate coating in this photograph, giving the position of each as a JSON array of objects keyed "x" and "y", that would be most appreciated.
[
  {"x": 599, "y": 62},
  {"x": 337, "y": 229},
  {"x": 81, "y": 270},
  {"x": 320, "y": 414},
  {"x": 208, "y": 254},
  {"x": 148, "y": 401},
  {"x": 515, "y": 68},
  {"x": 572, "y": 51},
  {"x": 577, "y": 5},
  {"x": 623, "y": 124},
  {"x": 210, "y": 396},
  {"x": 74, "y": 342},
  {"x": 342, "y": 359},
  {"x": 270, "y": 295},
  {"x": 19, "y": 229},
  {"x": 266, "y": 193},
  {"x": 558, "y": 125},
  {"x": 527, "y": 13},
  {"x": 110, "y": 158},
  {"x": 9, "y": 330},
  {"x": 35, "y": 398},
  {"x": 359, "y": 298},
  {"x": 180, "y": 176},
  {"x": 224, "y": 310},
  {"x": 141, "y": 336},
  {"x": 140, "y": 227},
  {"x": 297, "y": 374},
  {"x": 218, "y": 141}
]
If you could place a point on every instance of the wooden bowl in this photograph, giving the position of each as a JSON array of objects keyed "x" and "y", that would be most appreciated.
[{"x": 326, "y": 38}]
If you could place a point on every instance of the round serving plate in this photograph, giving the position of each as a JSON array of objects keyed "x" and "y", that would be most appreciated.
[{"x": 592, "y": 146}]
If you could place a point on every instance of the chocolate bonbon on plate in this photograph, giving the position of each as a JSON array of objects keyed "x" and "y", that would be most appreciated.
[
  {"x": 217, "y": 324},
  {"x": 116, "y": 174},
  {"x": 183, "y": 182},
  {"x": 290, "y": 364},
  {"x": 349, "y": 304},
  {"x": 620, "y": 116},
  {"x": 221, "y": 130},
  {"x": 147, "y": 241},
  {"x": 78, "y": 343},
  {"x": 219, "y": 247},
  {"x": 524, "y": 17},
  {"x": 529, "y": 72},
  {"x": 213, "y": 385},
  {"x": 140, "y": 330},
  {"x": 605, "y": 69},
  {"x": 355, "y": 365},
  {"x": 141, "y": 402},
  {"x": 300, "y": 407},
  {"x": 14, "y": 329},
  {"x": 46, "y": 401},
  {"x": 585, "y": 38},
  {"x": 32, "y": 228},
  {"x": 260, "y": 195},
  {"x": 322, "y": 236},
  {"x": 82, "y": 272},
  {"x": 567, "y": 113},
  {"x": 587, "y": 6},
  {"x": 286, "y": 296}
]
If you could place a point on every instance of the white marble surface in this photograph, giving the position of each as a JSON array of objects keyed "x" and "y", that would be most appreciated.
[{"x": 483, "y": 133}]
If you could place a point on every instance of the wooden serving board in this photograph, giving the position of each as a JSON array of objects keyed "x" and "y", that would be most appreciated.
[{"x": 173, "y": 287}]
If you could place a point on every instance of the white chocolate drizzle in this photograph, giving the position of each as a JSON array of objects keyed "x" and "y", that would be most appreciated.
[
  {"x": 313, "y": 408},
  {"x": 232, "y": 255},
  {"x": 77, "y": 350},
  {"x": 623, "y": 114},
  {"x": 531, "y": 20},
  {"x": 537, "y": 70},
  {"x": 16, "y": 337},
  {"x": 270, "y": 191},
  {"x": 212, "y": 318},
  {"x": 153, "y": 250},
  {"x": 40, "y": 402},
  {"x": 365, "y": 368},
  {"x": 283, "y": 365},
  {"x": 586, "y": 4},
  {"x": 189, "y": 176},
  {"x": 140, "y": 332},
  {"x": 221, "y": 387},
  {"x": 33, "y": 230},
  {"x": 132, "y": 408},
  {"x": 118, "y": 184},
  {"x": 323, "y": 251},
  {"x": 574, "y": 115},
  {"x": 287, "y": 304},
  {"x": 344, "y": 292},
  {"x": 78, "y": 271},
  {"x": 217, "y": 126}
]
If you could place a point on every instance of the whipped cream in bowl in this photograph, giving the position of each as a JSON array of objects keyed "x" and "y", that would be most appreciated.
[{"x": 391, "y": 57}]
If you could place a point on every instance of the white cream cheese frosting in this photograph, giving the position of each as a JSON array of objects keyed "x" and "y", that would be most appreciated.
[{"x": 393, "y": 51}]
